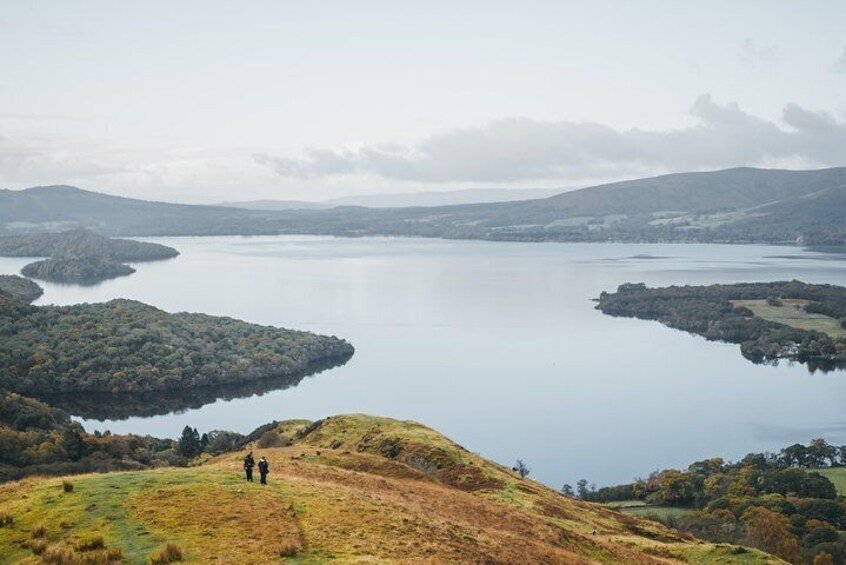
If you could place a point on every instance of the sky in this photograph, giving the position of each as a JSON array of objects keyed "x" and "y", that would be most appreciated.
[{"x": 212, "y": 101}]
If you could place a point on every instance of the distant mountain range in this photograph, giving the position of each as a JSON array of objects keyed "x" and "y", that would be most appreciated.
[
  {"x": 426, "y": 198},
  {"x": 733, "y": 205}
]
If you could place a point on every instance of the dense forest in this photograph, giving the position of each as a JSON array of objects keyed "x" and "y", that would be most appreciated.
[
  {"x": 20, "y": 288},
  {"x": 127, "y": 346},
  {"x": 82, "y": 270},
  {"x": 709, "y": 312},
  {"x": 38, "y": 439},
  {"x": 776, "y": 502}
]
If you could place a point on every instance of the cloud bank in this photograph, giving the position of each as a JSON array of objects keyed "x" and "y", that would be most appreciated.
[{"x": 523, "y": 149}]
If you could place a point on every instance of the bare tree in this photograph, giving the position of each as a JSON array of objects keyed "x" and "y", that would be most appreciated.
[{"x": 522, "y": 469}]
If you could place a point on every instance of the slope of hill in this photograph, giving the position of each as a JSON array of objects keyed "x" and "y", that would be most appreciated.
[
  {"x": 348, "y": 489},
  {"x": 734, "y": 205},
  {"x": 404, "y": 200},
  {"x": 59, "y": 207}
]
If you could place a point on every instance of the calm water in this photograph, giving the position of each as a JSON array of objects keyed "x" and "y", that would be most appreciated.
[{"x": 498, "y": 346}]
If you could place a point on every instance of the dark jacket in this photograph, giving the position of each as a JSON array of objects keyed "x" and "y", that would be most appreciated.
[
  {"x": 263, "y": 467},
  {"x": 249, "y": 462}
]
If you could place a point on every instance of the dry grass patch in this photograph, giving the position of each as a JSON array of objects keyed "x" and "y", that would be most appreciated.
[{"x": 236, "y": 525}]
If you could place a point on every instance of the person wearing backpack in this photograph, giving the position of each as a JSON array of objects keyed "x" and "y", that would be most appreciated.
[
  {"x": 249, "y": 463},
  {"x": 264, "y": 468}
]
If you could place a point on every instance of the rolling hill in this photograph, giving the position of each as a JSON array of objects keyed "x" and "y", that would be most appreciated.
[
  {"x": 403, "y": 200},
  {"x": 733, "y": 205},
  {"x": 347, "y": 489}
]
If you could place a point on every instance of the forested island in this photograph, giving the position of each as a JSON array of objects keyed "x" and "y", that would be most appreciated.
[
  {"x": 83, "y": 242},
  {"x": 125, "y": 346},
  {"x": 786, "y": 503},
  {"x": 20, "y": 288},
  {"x": 771, "y": 321},
  {"x": 81, "y": 256},
  {"x": 82, "y": 270}
]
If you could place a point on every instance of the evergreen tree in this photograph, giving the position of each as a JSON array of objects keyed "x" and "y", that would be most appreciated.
[{"x": 189, "y": 443}]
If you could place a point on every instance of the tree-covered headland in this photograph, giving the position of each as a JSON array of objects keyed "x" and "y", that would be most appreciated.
[{"x": 771, "y": 321}]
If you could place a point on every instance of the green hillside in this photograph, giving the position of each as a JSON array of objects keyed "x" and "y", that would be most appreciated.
[{"x": 348, "y": 489}]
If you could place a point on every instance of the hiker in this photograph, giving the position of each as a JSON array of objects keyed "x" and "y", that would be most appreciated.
[
  {"x": 249, "y": 463},
  {"x": 263, "y": 469}
]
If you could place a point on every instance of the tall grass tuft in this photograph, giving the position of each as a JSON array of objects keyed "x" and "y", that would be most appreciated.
[
  {"x": 6, "y": 520},
  {"x": 60, "y": 556},
  {"x": 37, "y": 546},
  {"x": 67, "y": 486},
  {"x": 171, "y": 553},
  {"x": 90, "y": 544},
  {"x": 39, "y": 531},
  {"x": 289, "y": 549}
]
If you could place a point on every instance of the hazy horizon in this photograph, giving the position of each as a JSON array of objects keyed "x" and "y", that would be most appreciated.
[{"x": 212, "y": 102}]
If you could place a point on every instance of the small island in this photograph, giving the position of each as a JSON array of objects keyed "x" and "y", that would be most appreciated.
[
  {"x": 771, "y": 321},
  {"x": 81, "y": 256},
  {"x": 81, "y": 270},
  {"x": 124, "y": 346},
  {"x": 20, "y": 288}
]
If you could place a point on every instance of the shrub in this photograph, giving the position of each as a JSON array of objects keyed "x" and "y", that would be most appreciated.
[
  {"x": 168, "y": 554},
  {"x": 271, "y": 439},
  {"x": 39, "y": 531},
  {"x": 67, "y": 486}
]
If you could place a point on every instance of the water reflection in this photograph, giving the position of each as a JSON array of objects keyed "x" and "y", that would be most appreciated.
[{"x": 108, "y": 406}]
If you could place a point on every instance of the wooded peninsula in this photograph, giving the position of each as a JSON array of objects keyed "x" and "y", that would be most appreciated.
[
  {"x": 125, "y": 346},
  {"x": 771, "y": 321}
]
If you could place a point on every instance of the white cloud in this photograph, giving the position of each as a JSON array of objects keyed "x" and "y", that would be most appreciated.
[
  {"x": 507, "y": 152},
  {"x": 753, "y": 55},
  {"x": 840, "y": 65},
  {"x": 521, "y": 149}
]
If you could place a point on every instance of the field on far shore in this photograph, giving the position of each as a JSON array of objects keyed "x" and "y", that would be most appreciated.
[
  {"x": 836, "y": 475},
  {"x": 792, "y": 313}
]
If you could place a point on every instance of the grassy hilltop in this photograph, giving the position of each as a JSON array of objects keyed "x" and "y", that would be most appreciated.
[{"x": 347, "y": 489}]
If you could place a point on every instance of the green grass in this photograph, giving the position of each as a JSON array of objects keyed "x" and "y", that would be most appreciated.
[
  {"x": 660, "y": 512},
  {"x": 621, "y": 504},
  {"x": 793, "y": 314},
  {"x": 836, "y": 475},
  {"x": 641, "y": 509}
]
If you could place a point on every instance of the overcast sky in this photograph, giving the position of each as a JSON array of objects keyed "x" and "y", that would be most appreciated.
[{"x": 208, "y": 101}]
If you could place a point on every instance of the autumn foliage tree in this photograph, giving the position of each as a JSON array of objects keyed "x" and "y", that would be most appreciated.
[{"x": 770, "y": 531}]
